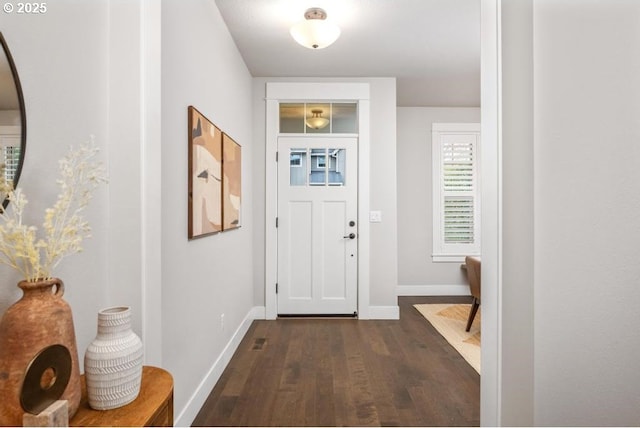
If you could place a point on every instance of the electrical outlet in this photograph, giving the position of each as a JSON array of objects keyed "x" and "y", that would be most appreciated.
[{"x": 222, "y": 322}]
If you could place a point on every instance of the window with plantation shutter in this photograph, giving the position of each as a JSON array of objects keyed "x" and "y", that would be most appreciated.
[
  {"x": 10, "y": 150},
  {"x": 456, "y": 191},
  {"x": 11, "y": 158}
]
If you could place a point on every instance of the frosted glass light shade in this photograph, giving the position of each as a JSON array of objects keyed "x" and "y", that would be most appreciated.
[
  {"x": 315, "y": 33},
  {"x": 317, "y": 122}
]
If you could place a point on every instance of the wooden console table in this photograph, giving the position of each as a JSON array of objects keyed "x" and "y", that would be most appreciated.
[{"x": 153, "y": 407}]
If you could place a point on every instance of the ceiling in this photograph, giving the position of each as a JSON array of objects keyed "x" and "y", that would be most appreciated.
[{"x": 432, "y": 47}]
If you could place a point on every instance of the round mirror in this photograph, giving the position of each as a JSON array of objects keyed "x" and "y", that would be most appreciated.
[{"x": 13, "y": 120}]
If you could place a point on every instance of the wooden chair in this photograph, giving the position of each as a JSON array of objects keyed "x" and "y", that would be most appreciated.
[{"x": 473, "y": 274}]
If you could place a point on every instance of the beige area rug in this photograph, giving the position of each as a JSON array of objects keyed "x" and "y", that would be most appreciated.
[{"x": 450, "y": 320}]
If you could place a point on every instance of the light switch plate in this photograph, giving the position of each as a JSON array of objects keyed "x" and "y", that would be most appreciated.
[{"x": 375, "y": 217}]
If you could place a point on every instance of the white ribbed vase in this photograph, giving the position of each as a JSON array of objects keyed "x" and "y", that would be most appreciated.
[{"x": 113, "y": 361}]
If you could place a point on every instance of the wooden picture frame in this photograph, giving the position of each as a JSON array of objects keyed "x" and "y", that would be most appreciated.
[
  {"x": 205, "y": 176},
  {"x": 231, "y": 183}
]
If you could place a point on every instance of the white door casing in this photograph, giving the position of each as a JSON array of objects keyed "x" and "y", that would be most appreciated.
[
  {"x": 277, "y": 92},
  {"x": 317, "y": 225}
]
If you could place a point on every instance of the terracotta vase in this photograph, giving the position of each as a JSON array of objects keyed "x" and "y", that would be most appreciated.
[{"x": 41, "y": 318}]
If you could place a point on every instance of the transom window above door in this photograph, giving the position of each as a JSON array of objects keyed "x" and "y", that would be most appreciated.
[{"x": 318, "y": 118}]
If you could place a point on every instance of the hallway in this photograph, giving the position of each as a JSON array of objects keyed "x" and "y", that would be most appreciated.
[{"x": 342, "y": 372}]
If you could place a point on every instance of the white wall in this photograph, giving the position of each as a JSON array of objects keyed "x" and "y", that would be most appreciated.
[
  {"x": 125, "y": 222},
  {"x": 587, "y": 205},
  {"x": 63, "y": 59},
  {"x": 207, "y": 277},
  {"x": 517, "y": 234},
  {"x": 383, "y": 184},
  {"x": 417, "y": 274},
  {"x": 570, "y": 139}
]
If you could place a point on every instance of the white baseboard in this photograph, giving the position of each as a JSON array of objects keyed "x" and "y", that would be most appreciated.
[
  {"x": 384, "y": 313},
  {"x": 190, "y": 411},
  {"x": 433, "y": 290}
]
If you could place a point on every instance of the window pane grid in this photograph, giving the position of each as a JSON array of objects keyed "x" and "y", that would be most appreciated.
[
  {"x": 317, "y": 167},
  {"x": 318, "y": 118}
]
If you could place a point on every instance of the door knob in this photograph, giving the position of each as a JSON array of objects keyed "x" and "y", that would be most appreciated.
[{"x": 350, "y": 236}]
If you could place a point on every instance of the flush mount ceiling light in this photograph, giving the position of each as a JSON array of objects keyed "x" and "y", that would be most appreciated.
[
  {"x": 315, "y": 32},
  {"x": 317, "y": 121}
]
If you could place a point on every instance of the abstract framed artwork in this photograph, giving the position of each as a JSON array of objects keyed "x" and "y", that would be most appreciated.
[
  {"x": 231, "y": 183},
  {"x": 205, "y": 176}
]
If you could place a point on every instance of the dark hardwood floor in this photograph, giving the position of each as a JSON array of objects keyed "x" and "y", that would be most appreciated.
[{"x": 343, "y": 372}]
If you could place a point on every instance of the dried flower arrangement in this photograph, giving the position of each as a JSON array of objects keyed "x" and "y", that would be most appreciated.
[{"x": 64, "y": 226}]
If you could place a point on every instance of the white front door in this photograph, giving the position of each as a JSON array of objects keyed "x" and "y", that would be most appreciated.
[{"x": 317, "y": 225}]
